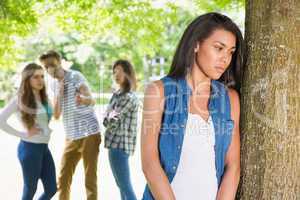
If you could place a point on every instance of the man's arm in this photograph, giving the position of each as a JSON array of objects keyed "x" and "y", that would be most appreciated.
[
  {"x": 57, "y": 100},
  {"x": 85, "y": 97}
]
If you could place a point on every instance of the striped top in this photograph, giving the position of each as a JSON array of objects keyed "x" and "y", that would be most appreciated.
[{"x": 79, "y": 120}]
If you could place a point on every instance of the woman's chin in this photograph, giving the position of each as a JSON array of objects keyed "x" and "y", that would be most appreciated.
[
  {"x": 38, "y": 88},
  {"x": 216, "y": 76}
]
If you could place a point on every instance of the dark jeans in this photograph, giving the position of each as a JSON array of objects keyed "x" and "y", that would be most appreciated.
[
  {"x": 37, "y": 163},
  {"x": 118, "y": 160}
]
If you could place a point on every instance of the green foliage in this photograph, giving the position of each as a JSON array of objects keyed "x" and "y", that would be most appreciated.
[
  {"x": 6, "y": 85},
  {"x": 92, "y": 34},
  {"x": 1, "y": 103},
  {"x": 220, "y": 5},
  {"x": 102, "y": 101},
  {"x": 17, "y": 19}
]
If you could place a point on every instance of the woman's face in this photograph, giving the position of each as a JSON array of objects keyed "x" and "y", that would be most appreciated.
[
  {"x": 214, "y": 54},
  {"x": 37, "y": 80},
  {"x": 119, "y": 75}
]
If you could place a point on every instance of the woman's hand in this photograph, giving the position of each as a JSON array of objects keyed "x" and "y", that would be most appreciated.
[
  {"x": 33, "y": 131},
  {"x": 113, "y": 114}
]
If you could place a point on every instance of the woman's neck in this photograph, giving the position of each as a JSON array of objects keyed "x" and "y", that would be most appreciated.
[
  {"x": 37, "y": 95},
  {"x": 120, "y": 88},
  {"x": 199, "y": 83}
]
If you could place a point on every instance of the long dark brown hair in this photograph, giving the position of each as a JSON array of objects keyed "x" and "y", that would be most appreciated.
[
  {"x": 199, "y": 30},
  {"x": 27, "y": 103},
  {"x": 130, "y": 79}
]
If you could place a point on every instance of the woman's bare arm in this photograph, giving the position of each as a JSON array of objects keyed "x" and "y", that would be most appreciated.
[
  {"x": 231, "y": 176},
  {"x": 151, "y": 123}
]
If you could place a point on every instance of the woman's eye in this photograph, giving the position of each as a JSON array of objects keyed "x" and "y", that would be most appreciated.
[{"x": 219, "y": 48}]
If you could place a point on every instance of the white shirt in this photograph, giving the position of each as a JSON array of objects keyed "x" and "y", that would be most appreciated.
[
  {"x": 41, "y": 121},
  {"x": 195, "y": 177}
]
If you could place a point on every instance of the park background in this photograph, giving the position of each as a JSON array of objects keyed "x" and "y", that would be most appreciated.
[{"x": 91, "y": 34}]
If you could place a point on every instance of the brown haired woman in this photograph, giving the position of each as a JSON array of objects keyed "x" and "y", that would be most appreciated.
[
  {"x": 121, "y": 126},
  {"x": 32, "y": 108}
]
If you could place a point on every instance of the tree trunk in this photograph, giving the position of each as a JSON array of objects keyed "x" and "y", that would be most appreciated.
[{"x": 270, "y": 102}]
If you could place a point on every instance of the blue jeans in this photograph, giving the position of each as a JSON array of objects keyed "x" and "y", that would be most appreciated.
[
  {"x": 37, "y": 163},
  {"x": 118, "y": 160}
]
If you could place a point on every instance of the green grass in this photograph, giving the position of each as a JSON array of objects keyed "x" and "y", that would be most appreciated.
[
  {"x": 2, "y": 103},
  {"x": 101, "y": 101}
]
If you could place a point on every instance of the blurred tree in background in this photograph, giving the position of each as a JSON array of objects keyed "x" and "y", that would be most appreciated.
[{"x": 92, "y": 34}]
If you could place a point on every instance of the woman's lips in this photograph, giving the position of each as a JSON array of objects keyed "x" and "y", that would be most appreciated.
[{"x": 220, "y": 69}]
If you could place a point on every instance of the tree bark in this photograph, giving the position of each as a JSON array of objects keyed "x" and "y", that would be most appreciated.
[{"x": 270, "y": 102}]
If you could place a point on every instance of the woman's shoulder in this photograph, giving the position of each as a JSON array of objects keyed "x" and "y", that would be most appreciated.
[
  {"x": 233, "y": 94},
  {"x": 234, "y": 100},
  {"x": 154, "y": 98},
  {"x": 155, "y": 88}
]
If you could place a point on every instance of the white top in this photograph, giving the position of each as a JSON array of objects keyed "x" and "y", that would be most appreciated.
[
  {"x": 41, "y": 121},
  {"x": 195, "y": 177}
]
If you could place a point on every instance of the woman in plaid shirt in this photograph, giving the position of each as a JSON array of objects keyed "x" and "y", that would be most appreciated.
[{"x": 121, "y": 126}]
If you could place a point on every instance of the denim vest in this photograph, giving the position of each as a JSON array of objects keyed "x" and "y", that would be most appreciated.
[{"x": 177, "y": 93}]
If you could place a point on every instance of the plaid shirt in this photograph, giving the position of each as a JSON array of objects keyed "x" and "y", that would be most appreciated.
[{"x": 121, "y": 122}]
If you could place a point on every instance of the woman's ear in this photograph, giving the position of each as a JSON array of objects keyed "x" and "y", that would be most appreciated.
[{"x": 197, "y": 48}]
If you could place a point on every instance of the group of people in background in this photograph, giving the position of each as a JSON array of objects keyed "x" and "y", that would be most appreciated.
[
  {"x": 72, "y": 100},
  {"x": 190, "y": 147}
]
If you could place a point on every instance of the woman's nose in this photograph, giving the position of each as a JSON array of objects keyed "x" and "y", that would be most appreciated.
[{"x": 225, "y": 58}]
